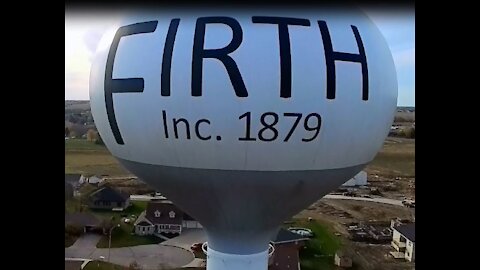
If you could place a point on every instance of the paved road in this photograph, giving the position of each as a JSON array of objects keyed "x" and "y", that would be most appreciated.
[
  {"x": 376, "y": 200},
  {"x": 329, "y": 196},
  {"x": 147, "y": 256}
]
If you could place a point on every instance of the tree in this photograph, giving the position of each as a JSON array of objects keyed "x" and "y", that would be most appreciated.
[
  {"x": 67, "y": 132},
  {"x": 92, "y": 135},
  {"x": 107, "y": 224}
]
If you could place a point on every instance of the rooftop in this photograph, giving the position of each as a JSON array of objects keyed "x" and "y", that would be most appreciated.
[
  {"x": 286, "y": 236},
  {"x": 407, "y": 230},
  {"x": 109, "y": 194},
  {"x": 72, "y": 178},
  {"x": 81, "y": 219}
]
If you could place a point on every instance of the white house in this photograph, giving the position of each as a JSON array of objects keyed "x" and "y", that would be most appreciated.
[
  {"x": 358, "y": 180},
  {"x": 94, "y": 180},
  {"x": 163, "y": 217},
  {"x": 404, "y": 242}
]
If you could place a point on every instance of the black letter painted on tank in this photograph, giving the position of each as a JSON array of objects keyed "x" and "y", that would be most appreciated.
[
  {"x": 284, "y": 43},
  {"x": 167, "y": 57},
  {"x": 187, "y": 126},
  {"x": 197, "y": 129},
  {"x": 130, "y": 85},
  {"x": 199, "y": 53},
  {"x": 331, "y": 56}
]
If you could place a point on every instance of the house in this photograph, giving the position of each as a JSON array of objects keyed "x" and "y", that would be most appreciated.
[
  {"x": 287, "y": 246},
  {"x": 84, "y": 220},
  {"x": 342, "y": 260},
  {"x": 163, "y": 217},
  {"x": 68, "y": 191},
  {"x": 108, "y": 198},
  {"x": 358, "y": 180},
  {"x": 404, "y": 241}
]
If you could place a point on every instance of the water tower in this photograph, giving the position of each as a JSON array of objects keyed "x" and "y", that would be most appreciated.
[{"x": 243, "y": 117}]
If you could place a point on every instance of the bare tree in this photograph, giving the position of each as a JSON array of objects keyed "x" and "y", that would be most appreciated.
[{"x": 92, "y": 135}]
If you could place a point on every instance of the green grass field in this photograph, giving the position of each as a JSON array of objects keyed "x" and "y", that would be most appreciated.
[
  {"x": 84, "y": 157},
  {"x": 319, "y": 252}
]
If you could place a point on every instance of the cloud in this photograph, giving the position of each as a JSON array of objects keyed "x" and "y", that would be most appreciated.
[{"x": 82, "y": 35}]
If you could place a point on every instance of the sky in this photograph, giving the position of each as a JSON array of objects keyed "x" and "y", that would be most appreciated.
[{"x": 82, "y": 35}]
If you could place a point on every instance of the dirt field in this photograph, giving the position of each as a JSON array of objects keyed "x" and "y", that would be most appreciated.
[
  {"x": 393, "y": 169},
  {"x": 339, "y": 213}
]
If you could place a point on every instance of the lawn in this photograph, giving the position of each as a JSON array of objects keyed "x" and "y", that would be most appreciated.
[
  {"x": 122, "y": 237},
  {"x": 83, "y": 144},
  {"x": 69, "y": 240},
  {"x": 319, "y": 252}
]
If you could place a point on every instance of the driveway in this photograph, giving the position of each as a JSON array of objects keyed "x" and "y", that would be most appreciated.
[
  {"x": 83, "y": 247},
  {"x": 187, "y": 238},
  {"x": 147, "y": 256}
]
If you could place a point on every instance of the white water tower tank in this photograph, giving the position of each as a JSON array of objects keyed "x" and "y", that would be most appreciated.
[{"x": 241, "y": 117}]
